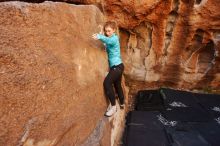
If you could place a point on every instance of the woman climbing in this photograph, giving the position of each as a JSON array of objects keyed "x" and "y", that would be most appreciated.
[{"x": 111, "y": 40}]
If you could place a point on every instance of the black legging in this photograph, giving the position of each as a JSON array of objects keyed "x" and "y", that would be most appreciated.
[{"x": 114, "y": 78}]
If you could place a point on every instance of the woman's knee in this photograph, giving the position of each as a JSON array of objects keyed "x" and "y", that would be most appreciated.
[{"x": 106, "y": 83}]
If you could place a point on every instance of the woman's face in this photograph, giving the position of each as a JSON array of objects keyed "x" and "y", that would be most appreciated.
[{"x": 109, "y": 31}]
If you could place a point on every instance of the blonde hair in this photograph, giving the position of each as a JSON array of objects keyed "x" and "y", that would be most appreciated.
[{"x": 111, "y": 24}]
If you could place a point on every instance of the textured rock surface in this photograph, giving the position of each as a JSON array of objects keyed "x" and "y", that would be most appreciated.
[
  {"x": 172, "y": 43},
  {"x": 51, "y": 73}
]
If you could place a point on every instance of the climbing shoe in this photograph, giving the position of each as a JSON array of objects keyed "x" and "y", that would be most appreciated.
[{"x": 111, "y": 111}]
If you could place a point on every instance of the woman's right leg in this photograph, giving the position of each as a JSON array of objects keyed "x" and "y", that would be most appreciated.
[{"x": 108, "y": 86}]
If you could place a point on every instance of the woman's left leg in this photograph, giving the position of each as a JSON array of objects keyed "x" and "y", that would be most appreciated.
[{"x": 118, "y": 87}]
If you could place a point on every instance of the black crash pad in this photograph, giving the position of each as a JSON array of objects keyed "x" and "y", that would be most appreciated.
[
  {"x": 210, "y": 102},
  {"x": 187, "y": 114},
  {"x": 139, "y": 136},
  {"x": 149, "y": 100},
  {"x": 209, "y": 131},
  {"x": 176, "y": 96},
  {"x": 146, "y": 119},
  {"x": 184, "y": 135}
]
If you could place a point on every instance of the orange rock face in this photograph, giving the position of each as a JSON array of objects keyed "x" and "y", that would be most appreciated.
[
  {"x": 172, "y": 43},
  {"x": 51, "y": 73}
]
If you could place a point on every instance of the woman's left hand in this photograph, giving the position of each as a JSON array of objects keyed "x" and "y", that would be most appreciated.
[{"x": 101, "y": 29}]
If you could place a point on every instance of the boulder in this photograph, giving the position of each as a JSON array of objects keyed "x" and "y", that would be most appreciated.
[{"x": 51, "y": 73}]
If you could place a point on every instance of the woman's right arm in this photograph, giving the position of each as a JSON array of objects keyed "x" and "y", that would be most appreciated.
[{"x": 106, "y": 40}]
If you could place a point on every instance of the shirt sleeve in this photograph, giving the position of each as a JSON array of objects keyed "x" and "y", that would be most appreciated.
[{"x": 107, "y": 40}]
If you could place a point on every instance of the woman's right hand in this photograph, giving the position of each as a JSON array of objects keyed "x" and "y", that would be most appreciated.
[{"x": 94, "y": 36}]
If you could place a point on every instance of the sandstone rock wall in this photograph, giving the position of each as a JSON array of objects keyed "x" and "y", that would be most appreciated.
[
  {"x": 51, "y": 73},
  {"x": 172, "y": 43}
]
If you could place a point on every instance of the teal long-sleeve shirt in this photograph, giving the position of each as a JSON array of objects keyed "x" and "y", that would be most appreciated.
[{"x": 112, "y": 47}]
